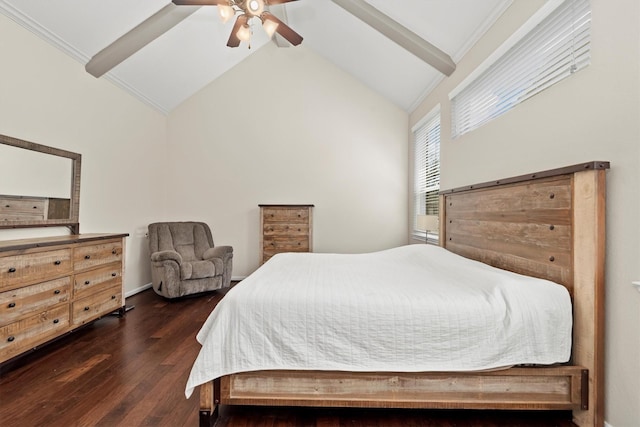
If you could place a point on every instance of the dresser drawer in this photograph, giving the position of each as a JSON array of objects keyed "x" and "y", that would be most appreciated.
[
  {"x": 301, "y": 229},
  {"x": 33, "y": 267},
  {"x": 106, "y": 276},
  {"x": 292, "y": 215},
  {"x": 96, "y": 305},
  {"x": 97, "y": 254},
  {"x": 21, "y": 208},
  {"x": 33, "y": 299},
  {"x": 29, "y": 332},
  {"x": 273, "y": 246}
]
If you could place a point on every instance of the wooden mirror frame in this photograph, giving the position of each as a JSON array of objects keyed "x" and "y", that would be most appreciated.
[{"x": 74, "y": 206}]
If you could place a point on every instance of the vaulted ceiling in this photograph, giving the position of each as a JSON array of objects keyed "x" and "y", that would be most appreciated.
[{"x": 194, "y": 53}]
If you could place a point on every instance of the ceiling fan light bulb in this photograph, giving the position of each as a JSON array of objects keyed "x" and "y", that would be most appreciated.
[
  {"x": 270, "y": 27},
  {"x": 226, "y": 12},
  {"x": 244, "y": 33}
]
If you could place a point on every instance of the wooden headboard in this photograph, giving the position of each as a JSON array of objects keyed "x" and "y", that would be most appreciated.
[{"x": 550, "y": 225}]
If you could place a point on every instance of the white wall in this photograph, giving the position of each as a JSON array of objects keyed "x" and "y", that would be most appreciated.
[
  {"x": 594, "y": 115},
  {"x": 286, "y": 126},
  {"x": 48, "y": 98}
]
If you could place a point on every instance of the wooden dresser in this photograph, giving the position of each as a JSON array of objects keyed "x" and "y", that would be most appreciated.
[
  {"x": 285, "y": 228},
  {"x": 50, "y": 286}
]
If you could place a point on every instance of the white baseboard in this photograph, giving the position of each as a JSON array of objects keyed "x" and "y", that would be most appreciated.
[
  {"x": 606, "y": 424},
  {"x": 137, "y": 290},
  {"x": 148, "y": 285}
]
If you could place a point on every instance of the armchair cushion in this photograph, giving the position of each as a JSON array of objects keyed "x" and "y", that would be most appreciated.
[{"x": 198, "y": 269}]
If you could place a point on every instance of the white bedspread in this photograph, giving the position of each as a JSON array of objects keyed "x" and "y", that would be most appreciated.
[{"x": 408, "y": 309}]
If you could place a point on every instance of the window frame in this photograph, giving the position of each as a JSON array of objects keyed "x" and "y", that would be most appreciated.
[
  {"x": 552, "y": 45},
  {"x": 428, "y": 127}
]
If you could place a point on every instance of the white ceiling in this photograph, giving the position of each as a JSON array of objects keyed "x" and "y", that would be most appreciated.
[{"x": 194, "y": 53}]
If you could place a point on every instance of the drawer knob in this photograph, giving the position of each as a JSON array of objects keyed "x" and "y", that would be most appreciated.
[
  {"x": 87, "y": 257},
  {"x": 7, "y": 206},
  {"x": 552, "y": 196},
  {"x": 87, "y": 308},
  {"x": 56, "y": 321},
  {"x": 12, "y": 270},
  {"x": 552, "y": 258},
  {"x": 57, "y": 262},
  {"x": 114, "y": 274},
  {"x": 11, "y": 338},
  {"x": 86, "y": 282},
  {"x": 57, "y": 291},
  {"x": 11, "y": 304},
  {"x": 114, "y": 252},
  {"x": 113, "y": 297}
]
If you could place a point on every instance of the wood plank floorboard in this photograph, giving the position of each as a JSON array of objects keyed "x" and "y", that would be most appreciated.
[{"x": 132, "y": 372}]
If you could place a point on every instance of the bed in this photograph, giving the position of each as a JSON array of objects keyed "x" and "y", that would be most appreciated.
[{"x": 547, "y": 225}]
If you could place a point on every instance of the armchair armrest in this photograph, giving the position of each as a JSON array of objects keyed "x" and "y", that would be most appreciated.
[
  {"x": 217, "y": 252},
  {"x": 166, "y": 256}
]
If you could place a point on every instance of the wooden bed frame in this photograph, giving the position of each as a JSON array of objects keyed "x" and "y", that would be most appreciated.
[{"x": 550, "y": 225}]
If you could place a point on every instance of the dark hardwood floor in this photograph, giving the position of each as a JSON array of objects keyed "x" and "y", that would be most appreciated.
[{"x": 132, "y": 372}]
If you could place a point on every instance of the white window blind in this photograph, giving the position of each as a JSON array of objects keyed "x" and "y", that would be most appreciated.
[
  {"x": 554, "y": 49},
  {"x": 426, "y": 137}
]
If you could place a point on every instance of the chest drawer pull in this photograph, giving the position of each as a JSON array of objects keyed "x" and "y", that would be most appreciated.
[
  {"x": 11, "y": 338},
  {"x": 114, "y": 274},
  {"x": 114, "y": 252},
  {"x": 87, "y": 308},
  {"x": 57, "y": 291},
  {"x": 86, "y": 282},
  {"x": 12, "y": 270},
  {"x": 87, "y": 257},
  {"x": 57, "y": 262},
  {"x": 56, "y": 321},
  {"x": 113, "y": 297},
  {"x": 11, "y": 304}
]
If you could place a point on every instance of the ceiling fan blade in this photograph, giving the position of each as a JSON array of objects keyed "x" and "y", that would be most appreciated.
[
  {"x": 234, "y": 41},
  {"x": 270, "y": 2},
  {"x": 399, "y": 34},
  {"x": 199, "y": 2},
  {"x": 141, "y": 35},
  {"x": 283, "y": 29}
]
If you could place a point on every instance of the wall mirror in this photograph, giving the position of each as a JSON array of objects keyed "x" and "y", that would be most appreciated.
[{"x": 39, "y": 185}]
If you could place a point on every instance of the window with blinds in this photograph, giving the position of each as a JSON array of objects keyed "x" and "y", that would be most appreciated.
[
  {"x": 426, "y": 137},
  {"x": 558, "y": 46}
]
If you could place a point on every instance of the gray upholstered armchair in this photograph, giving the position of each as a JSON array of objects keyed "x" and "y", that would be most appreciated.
[{"x": 185, "y": 261}]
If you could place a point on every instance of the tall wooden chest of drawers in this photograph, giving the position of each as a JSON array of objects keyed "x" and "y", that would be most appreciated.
[
  {"x": 285, "y": 228},
  {"x": 50, "y": 286}
]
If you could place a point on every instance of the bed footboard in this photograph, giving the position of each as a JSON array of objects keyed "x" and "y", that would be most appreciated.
[{"x": 555, "y": 388}]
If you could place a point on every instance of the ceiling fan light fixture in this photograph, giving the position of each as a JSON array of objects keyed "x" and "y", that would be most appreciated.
[
  {"x": 270, "y": 27},
  {"x": 226, "y": 12},
  {"x": 244, "y": 33}
]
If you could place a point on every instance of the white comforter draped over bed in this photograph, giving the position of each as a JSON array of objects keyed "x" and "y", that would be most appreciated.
[{"x": 408, "y": 309}]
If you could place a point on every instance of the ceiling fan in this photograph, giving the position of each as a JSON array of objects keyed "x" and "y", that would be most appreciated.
[
  {"x": 247, "y": 10},
  {"x": 178, "y": 10}
]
